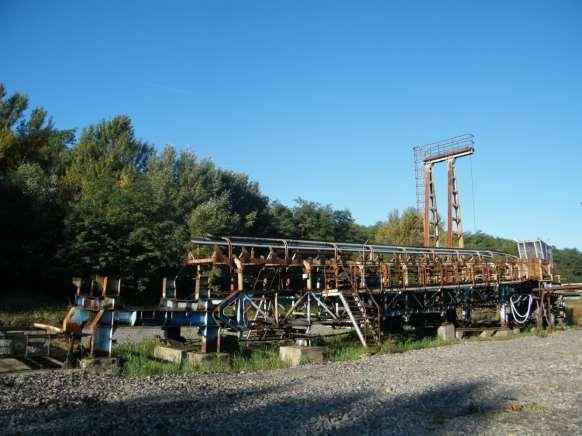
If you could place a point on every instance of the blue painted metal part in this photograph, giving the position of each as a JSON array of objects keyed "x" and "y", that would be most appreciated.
[
  {"x": 103, "y": 339},
  {"x": 80, "y": 316},
  {"x": 102, "y": 314},
  {"x": 125, "y": 317},
  {"x": 171, "y": 289}
]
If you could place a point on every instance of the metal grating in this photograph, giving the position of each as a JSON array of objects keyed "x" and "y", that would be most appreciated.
[
  {"x": 422, "y": 152},
  {"x": 534, "y": 250}
]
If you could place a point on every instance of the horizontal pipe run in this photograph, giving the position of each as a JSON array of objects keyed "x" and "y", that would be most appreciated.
[{"x": 302, "y": 245}]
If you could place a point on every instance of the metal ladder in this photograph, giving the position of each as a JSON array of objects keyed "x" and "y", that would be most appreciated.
[{"x": 360, "y": 320}]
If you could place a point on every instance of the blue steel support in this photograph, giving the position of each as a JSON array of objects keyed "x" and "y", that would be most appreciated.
[{"x": 170, "y": 320}]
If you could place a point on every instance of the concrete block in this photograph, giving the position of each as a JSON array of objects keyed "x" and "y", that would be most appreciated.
[
  {"x": 197, "y": 357},
  {"x": 303, "y": 342},
  {"x": 459, "y": 334},
  {"x": 516, "y": 330},
  {"x": 9, "y": 364},
  {"x": 100, "y": 365},
  {"x": 169, "y": 354},
  {"x": 446, "y": 332},
  {"x": 505, "y": 333},
  {"x": 294, "y": 355},
  {"x": 487, "y": 333}
]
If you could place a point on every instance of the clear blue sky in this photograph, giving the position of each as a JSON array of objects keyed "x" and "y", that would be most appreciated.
[{"x": 325, "y": 99}]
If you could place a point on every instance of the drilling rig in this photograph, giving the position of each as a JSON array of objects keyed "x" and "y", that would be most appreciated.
[{"x": 425, "y": 158}]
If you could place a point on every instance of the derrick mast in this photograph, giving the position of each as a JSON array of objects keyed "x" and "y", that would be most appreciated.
[{"x": 425, "y": 157}]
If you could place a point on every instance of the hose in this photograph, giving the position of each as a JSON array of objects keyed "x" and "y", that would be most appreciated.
[{"x": 518, "y": 317}]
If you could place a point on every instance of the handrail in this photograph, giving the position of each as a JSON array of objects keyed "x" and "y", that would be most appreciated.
[{"x": 335, "y": 247}]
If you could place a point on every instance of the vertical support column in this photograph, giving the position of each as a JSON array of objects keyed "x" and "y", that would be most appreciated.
[
  {"x": 450, "y": 170},
  {"x": 502, "y": 295},
  {"x": 276, "y": 309},
  {"x": 431, "y": 209},
  {"x": 540, "y": 312},
  {"x": 240, "y": 276},
  {"x": 307, "y": 275},
  {"x": 197, "y": 284},
  {"x": 210, "y": 339},
  {"x": 427, "y": 190},
  {"x": 309, "y": 308},
  {"x": 454, "y": 208}
]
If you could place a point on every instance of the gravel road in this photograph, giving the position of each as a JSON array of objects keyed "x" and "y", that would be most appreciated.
[{"x": 529, "y": 384}]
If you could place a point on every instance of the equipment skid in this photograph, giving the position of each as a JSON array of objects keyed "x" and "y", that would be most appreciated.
[{"x": 269, "y": 289}]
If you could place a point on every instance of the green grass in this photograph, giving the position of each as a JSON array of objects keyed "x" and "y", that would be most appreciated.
[
  {"x": 256, "y": 360},
  {"x": 23, "y": 309},
  {"x": 574, "y": 311},
  {"x": 404, "y": 345},
  {"x": 339, "y": 348},
  {"x": 347, "y": 346},
  {"x": 138, "y": 361},
  {"x": 26, "y": 318},
  {"x": 537, "y": 408}
]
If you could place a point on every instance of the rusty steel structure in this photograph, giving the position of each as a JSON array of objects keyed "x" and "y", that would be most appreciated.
[
  {"x": 425, "y": 157},
  {"x": 280, "y": 289}
]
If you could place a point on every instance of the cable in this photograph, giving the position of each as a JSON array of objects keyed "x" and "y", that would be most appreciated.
[{"x": 518, "y": 317}]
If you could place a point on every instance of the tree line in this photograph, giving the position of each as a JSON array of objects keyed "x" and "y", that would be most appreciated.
[{"x": 102, "y": 201}]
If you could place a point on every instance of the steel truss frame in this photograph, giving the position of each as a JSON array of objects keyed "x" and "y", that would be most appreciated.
[{"x": 266, "y": 289}]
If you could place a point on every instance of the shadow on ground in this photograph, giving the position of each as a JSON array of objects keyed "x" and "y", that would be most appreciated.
[{"x": 287, "y": 409}]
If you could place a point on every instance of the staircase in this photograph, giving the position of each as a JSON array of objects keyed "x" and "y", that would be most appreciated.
[{"x": 364, "y": 317}]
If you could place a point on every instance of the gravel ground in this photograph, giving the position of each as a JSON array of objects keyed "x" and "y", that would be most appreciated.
[
  {"x": 128, "y": 335},
  {"x": 529, "y": 384}
]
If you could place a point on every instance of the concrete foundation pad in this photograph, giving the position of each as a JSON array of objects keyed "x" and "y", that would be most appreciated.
[
  {"x": 503, "y": 333},
  {"x": 169, "y": 354},
  {"x": 459, "y": 334},
  {"x": 196, "y": 357},
  {"x": 295, "y": 355},
  {"x": 487, "y": 333},
  {"x": 446, "y": 332},
  {"x": 100, "y": 365},
  {"x": 9, "y": 364},
  {"x": 179, "y": 355}
]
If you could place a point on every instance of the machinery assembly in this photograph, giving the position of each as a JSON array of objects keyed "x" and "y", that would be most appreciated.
[
  {"x": 280, "y": 289},
  {"x": 270, "y": 289}
]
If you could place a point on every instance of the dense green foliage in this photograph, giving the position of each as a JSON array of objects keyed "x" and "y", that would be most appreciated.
[
  {"x": 568, "y": 263},
  {"x": 487, "y": 242},
  {"x": 107, "y": 202},
  {"x": 401, "y": 229}
]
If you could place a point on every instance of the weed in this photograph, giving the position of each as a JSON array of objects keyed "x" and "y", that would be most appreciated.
[
  {"x": 574, "y": 312},
  {"x": 26, "y": 318},
  {"x": 259, "y": 359},
  {"x": 537, "y": 408},
  {"x": 402, "y": 346},
  {"x": 339, "y": 348},
  {"x": 139, "y": 361}
]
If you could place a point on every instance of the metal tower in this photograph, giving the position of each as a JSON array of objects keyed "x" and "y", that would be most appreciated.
[{"x": 425, "y": 157}]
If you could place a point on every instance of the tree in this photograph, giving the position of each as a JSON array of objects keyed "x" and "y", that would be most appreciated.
[
  {"x": 401, "y": 229},
  {"x": 282, "y": 221},
  {"x": 484, "y": 241},
  {"x": 31, "y": 163},
  {"x": 108, "y": 226},
  {"x": 568, "y": 264},
  {"x": 313, "y": 220},
  {"x": 110, "y": 204}
]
